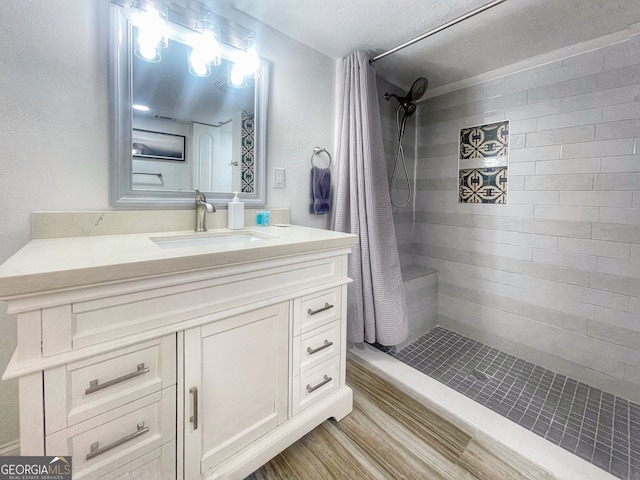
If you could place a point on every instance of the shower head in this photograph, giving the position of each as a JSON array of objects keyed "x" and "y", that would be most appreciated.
[{"x": 415, "y": 93}]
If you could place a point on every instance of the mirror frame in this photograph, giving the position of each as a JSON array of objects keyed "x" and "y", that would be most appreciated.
[{"x": 122, "y": 194}]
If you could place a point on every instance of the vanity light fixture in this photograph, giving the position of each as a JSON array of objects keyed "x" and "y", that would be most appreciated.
[
  {"x": 246, "y": 65},
  {"x": 206, "y": 51},
  {"x": 152, "y": 32}
]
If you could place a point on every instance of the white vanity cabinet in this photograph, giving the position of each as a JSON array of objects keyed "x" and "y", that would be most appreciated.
[
  {"x": 236, "y": 384},
  {"x": 182, "y": 374}
]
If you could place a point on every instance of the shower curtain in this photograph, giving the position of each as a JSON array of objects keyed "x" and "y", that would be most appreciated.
[{"x": 377, "y": 309}]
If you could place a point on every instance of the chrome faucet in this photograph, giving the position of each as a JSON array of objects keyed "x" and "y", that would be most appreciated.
[{"x": 202, "y": 208}]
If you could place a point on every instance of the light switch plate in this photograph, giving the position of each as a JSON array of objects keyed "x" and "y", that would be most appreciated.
[{"x": 278, "y": 178}]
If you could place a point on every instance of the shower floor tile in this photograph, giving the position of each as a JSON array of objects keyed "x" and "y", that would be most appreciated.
[{"x": 597, "y": 426}]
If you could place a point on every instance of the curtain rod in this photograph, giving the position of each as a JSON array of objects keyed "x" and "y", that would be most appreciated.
[{"x": 439, "y": 29}]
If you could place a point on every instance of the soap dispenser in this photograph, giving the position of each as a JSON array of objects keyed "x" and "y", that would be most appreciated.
[{"x": 235, "y": 219}]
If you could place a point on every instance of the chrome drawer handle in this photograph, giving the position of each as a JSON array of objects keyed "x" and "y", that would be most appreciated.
[
  {"x": 97, "y": 450},
  {"x": 322, "y": 383},
  {"x": 94, "y": 386},
  {"x": 326, "y": 344},
  {"x": 313, "y": 312}
]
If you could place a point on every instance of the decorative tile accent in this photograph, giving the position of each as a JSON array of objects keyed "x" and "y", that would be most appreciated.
[
  {"x": 483, "y": 185},
  {"x": 248, "y": 164},
  {"x": 487, "y": 142},
  {"x": 597, "y": 426},
  {"x": 482, "y": 163}
]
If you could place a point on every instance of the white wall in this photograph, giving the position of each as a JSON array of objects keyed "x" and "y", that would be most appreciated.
[
  {"x": 54, "y": 127},
  {"x": 554, "y": 276}
]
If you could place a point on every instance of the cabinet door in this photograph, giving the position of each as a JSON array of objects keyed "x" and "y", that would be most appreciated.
[{"x": 236, "y": 384}]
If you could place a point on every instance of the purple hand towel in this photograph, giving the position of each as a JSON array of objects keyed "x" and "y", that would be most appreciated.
[{"x": 320, "y": 191}]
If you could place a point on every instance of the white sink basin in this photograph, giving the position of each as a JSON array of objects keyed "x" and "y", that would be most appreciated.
[{"x": 209, "y": 238}]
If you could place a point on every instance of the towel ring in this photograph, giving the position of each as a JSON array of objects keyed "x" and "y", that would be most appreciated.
[{"x": 316, "y": 151}]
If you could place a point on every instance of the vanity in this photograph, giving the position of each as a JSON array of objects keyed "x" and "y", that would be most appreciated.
[{"x": 175, "y": 354}]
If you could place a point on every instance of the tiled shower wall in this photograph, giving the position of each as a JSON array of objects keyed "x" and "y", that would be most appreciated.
[{"x": 554, "y": 276}]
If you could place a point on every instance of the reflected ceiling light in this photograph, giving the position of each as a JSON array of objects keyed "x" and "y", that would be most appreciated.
[
  {"x": 152, "y": 32},
  {"x": 206, "y": 51},
  {"x": 142, "y": 108}
]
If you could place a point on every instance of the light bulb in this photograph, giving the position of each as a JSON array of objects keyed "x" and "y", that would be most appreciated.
[
  {"x": 148, "y": 51},
  {"x": 237, "y": 75}
]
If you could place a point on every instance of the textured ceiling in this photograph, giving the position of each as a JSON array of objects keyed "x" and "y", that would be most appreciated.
[{"x": 507, "y": 33}]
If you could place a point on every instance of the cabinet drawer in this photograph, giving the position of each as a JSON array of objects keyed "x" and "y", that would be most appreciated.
[
  {"x": 316, "y": 383},
  {"x": 81, "y": 390},
  {"x": 314, "y": 347},
  {"x": 317, "y": 309},
  {"x": 105, "y": 443},
  {"x": 159, "y": 464}
]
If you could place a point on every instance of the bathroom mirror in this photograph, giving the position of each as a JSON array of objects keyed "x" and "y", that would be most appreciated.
[{"x": 196, "y": 132}]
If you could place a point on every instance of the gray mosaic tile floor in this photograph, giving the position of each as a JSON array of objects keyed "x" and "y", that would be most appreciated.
[{"x": 597, "y": 426}]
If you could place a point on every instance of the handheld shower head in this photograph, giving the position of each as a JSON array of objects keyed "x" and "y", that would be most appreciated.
[{"x": 415, "y": 93}]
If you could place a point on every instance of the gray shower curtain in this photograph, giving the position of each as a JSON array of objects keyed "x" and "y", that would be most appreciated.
[{"x": 377, "y": 309}]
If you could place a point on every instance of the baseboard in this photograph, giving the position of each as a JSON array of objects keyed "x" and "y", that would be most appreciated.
[{"x": 10, "y": 449}]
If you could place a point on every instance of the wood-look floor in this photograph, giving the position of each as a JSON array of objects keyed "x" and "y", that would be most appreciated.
[{"x": 390, "y": 435}]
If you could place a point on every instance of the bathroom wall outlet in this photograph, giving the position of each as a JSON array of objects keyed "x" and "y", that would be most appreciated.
[{"x": 278, "y": 178}]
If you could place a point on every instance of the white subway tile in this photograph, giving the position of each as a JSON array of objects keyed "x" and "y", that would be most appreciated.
[
  {"x": 600, "y": 98},
  {"x": 603, "y": 148},
  {"x": 616, "y": 335},
  {"x": 636, "y": 199},
  {"x": 535, "y": 110},
  {"x": 533, "y": 197},
  {"x": 570, "y": 119},
  {"x": 600, "y": 248},
  {"x": 625, "y": 53},
  {"x": 557, "y": 273},
  {"x": 617, "y": 318},
  {"x": 509, "y": 100},
  {"x": 615, "y": 283},
  {"x": 625, "y": 163},
  {"x": 510, "y": 224},
  {"x": 635, "y": 255},
  {"x": 518, "y": 141},
  {"x": 521, "y": 168},
  {"x": 559, "y": 182},
  {"x": 617, "y": 181},
  {"x": 518, "y": 211},
  {"x": 522, "y": 126},
  {"x": 564, "y": 259},
  {"x": 512, "y": 83},
  {"x": 616, "y": 232},
  {"x": 516, "y": 182},
  {"x": 579, "y": 165},
  {"x": 629, "y": 216},
  {"x": 619, "y": 77},
  {"x": 570, "y": 213},
  {"x": 568, "y": 72},
  {"x": 536, "y": 153},
  {"x": 530, "y": 240},
  {"x": 632, "y": 374},
  {"x": 621, "y": 111},
  {"x": 620, "y": 129},
  {"x": 581, "y": 85},
  {"x": 614, "y": 266},
  {"x": 596, "y": 199},
  {"x": 559, "y": 136},
  {"x": 634, "y": 305},
  {"x": 556, "y": 227},
  {"x": 574, "y": 292}
]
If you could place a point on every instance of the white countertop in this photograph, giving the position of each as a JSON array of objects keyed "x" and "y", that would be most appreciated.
[{"x": 58, "y": 263}]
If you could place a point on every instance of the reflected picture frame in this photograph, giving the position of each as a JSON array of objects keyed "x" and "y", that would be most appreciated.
[{"x": 158, "y": 145}]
